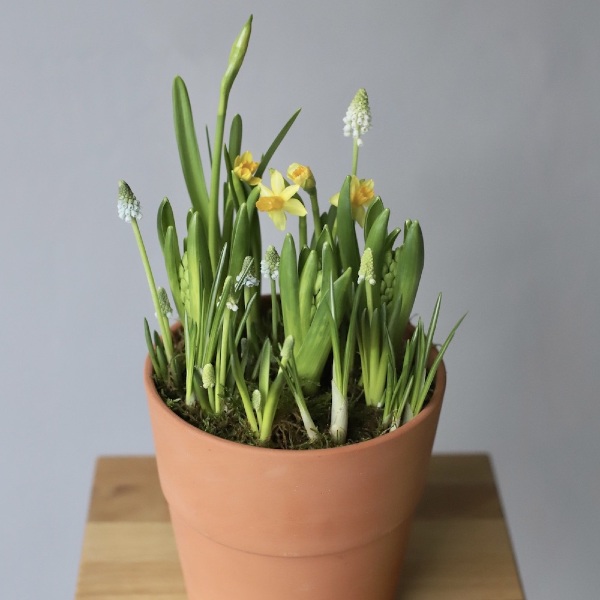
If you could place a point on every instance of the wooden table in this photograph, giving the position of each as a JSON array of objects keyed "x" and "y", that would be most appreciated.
[{"x": 459, "y": 548}]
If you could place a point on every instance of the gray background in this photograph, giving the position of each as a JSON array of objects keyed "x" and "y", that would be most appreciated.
[{"x": 486, "y": 129}]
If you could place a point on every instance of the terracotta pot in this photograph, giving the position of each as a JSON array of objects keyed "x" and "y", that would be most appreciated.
[{"x": 254, "y": 523}]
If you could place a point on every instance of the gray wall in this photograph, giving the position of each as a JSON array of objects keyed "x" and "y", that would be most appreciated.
[{"x": 486, "y": 129}]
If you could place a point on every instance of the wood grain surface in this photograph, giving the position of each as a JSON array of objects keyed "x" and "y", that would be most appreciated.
[{"x": 459, "y": 547}]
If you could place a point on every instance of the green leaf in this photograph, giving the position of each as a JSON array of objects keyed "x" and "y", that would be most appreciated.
[
  {"x": 264, "y": 162},
  {"x": 308, "y": 277},
  {"x": 238, "y": 190},
  {"x": 376, "y": 239},
  {"x": 434, "y": 367},
  {"x": 265, "y": 367},
  {"x": 315, "y": 349},
  {"x": 289, "y": 287},
  {"x": 346, "y": 231},
  {"x": 217, "y": 322},
  {"x": 255, "y": 235},
  {"x": 409, "y": 266},
  {"x": 242, "y": 387},
  {"x": 189, "y": 155},
  {"x": 215, "y": 289},
  {"x": 240, "y": 247},
  {"x": 349, "y": 351},
  {"x": 235, "y": 137},
  {"x": 374, "y": 210},
  {"x": 164, "y": 220},
  {"x": 152, "y": 350},
  {"x": 194, "y": 258},
  {"x": 376, "y": 242},
  {"x": 391, "y": 238},
  {"x": 172, "y": 264},
  {"x": 228, "y": 217}
]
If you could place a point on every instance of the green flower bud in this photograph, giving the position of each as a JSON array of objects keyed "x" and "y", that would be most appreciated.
[
  {"x": 367, "y": 270},
  {"x": 184, "y": 282},
  {"x": 256, "y": 400},
  {"x": 236, "y": 56},
  {"x": 208, "y": 376},
  {"x": 163, "y": 301}
]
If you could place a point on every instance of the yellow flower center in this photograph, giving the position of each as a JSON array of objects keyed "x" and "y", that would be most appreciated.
[
  {"x": 269, "y": 203},
  {"x": 363, "y": 193},
  {"x": 300, "y": 172},
  {"x": 244, "y": 166}
]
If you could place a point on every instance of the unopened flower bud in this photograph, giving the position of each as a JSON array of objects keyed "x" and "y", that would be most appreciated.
[
  {"x": 208, "y": 376},
  {"x": 236, "y": 56},
  {"x": 367, "y": 270},
  {"x": 302, "y": 175},
  {"x": 256, "y": 400},
  {"x": 163, "y": 301}
]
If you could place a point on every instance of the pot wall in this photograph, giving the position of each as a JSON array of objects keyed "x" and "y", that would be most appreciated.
[{"x": 260, "y": 523}]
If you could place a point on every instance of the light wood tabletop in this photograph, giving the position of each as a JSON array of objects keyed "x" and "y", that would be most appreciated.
[{"x": 459, "y": 547}]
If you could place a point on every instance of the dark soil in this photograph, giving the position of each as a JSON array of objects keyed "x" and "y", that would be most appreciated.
[{"x": 364, "y": 422}]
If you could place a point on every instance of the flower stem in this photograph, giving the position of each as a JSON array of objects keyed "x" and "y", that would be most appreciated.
[
  {"x": 274, "y": 312},
  {"x": 222, "y": 374},
  {"x": 316, "y": 214},
  {"x": 162, "y": 320},
  {"x": 355, "y": 157},
  {"x": 303, "y": 236}
]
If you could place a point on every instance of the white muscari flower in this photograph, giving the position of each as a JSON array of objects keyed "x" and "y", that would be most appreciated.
[
  {"x": 163, "y": 301},
  {"x": 249, "y": 280},
  {"x": 208, "y": 376},
  {"x": 128, "y": 206},
  {"x": 367, "y": 270},
  {"x": 358, "y": 116},
  {"x": 246, "y": 276},
  {"x": 231, "y": 304},
  {"x": 269, "y": 266}
]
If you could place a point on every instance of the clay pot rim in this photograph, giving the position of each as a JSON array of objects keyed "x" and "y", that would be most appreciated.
[{"x": 228, "y": 445}]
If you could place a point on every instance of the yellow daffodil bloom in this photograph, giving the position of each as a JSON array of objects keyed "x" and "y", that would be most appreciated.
[
  {"x": 302, "y": 176},
  {"x": 245, "y": 167},
  {"x": 278, "y": 200},
  {"x": 361, "y": 195}
]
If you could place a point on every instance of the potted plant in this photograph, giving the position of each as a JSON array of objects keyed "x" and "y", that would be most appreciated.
[{"x": 293, "y": 429}]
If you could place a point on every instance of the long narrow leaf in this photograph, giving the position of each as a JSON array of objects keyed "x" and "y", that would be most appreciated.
[
  {"x": 308, "y": 277},
  {"x": 172, "y": 264},
  {"x": 164, "y": 220},
  {"x": 235, "y": 137},
  {"x": 266, "y": 158},
  {"x": 189, "y": 155},
  {"x": 346, "y": 231},
  {"x": 434, "y": 367},
  {"x": 315, "y": 349},
  {"x": 289, "y": 291}
]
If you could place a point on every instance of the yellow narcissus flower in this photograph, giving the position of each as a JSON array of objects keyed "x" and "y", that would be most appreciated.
[
  {"x": 361, "y": 195},
  {"x": 278, "y": 200},
  {"x": 245, "y": 167},
  {"x": 302, "y": 176}
]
